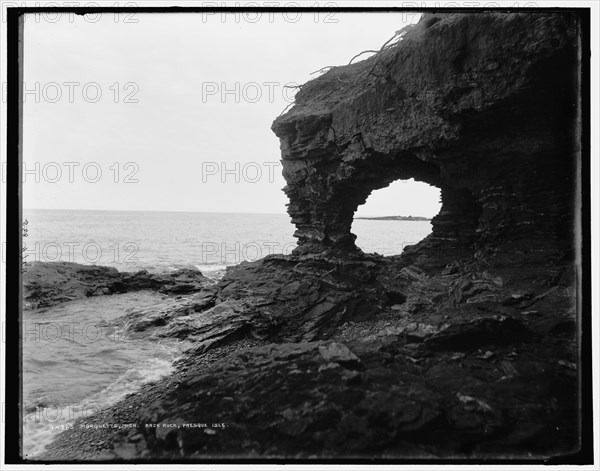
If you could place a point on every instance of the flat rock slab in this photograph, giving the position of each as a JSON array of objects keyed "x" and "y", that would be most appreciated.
[{"x": 48, "y": 283}]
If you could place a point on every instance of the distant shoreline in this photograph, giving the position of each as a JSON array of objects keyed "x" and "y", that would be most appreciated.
[{"x": 396, "y": 218}]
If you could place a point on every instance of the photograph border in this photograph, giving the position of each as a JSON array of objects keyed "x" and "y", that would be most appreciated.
[{"x": 14, "y": 289}]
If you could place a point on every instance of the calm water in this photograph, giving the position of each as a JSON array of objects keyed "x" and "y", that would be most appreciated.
[
  {"x": 162, "y": 241},
  {"x": 74, "y": 362}
]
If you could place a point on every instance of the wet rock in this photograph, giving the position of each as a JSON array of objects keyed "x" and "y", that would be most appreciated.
[
  {"x": 210, "y": 327},
  {"x": 182, "y": 281},
  {"x": 138, "y": 320},
  {"x": 46, "y": 284},
  {"x": 49, "y": 283}
]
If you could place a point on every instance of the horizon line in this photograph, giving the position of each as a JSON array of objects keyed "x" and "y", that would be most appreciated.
[
  {"x": 147, "y": 211},
  {"x": 196, "y": 212}
]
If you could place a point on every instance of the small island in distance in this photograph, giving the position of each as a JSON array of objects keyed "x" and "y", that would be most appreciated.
[{"x": 396, "y": 218}]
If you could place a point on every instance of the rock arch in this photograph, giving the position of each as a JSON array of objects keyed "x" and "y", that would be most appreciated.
[{"x": 481, "y": 106}]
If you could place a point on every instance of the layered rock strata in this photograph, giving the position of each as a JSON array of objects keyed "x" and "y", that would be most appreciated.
[{"x": 463, "y": 346}]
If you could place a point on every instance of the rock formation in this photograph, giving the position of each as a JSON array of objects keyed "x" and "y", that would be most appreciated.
[
  {"x": 482, "y": 106},
  {"x": 463, "y": 346},
  {"x": 49, "y": 283}
]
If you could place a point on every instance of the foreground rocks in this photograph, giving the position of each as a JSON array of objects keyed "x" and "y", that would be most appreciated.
[
  {"x": 46, "y": 284},
  {"x": 332, "y": 377},
  {"x": 300, "y": 298},
  {"x": 369, "y": 394}
]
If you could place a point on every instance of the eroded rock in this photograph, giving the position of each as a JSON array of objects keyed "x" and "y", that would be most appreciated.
[
  {"x": 475, "y": 104},
  {"x": 49, "y": 283},
  {"x": 474, "y": 320}
]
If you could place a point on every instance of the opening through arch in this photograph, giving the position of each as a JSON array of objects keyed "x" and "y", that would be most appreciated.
[{"x": 396, "y": 216}]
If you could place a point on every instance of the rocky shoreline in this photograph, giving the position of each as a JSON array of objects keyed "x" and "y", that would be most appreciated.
[
  {"x": 46, "y": 284},
  {"x": 478, "y": 379}
]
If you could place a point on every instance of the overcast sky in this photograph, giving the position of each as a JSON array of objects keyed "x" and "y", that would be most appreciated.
[{"x": 172, "y": 112}]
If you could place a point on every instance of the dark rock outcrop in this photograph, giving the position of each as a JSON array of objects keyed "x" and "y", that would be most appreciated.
[
  {"x": 483, "y": 106},
  {"x": 46, "y": 284},
  {"x": 369, "y": 398},
  {"x": 463, "y": 346}
]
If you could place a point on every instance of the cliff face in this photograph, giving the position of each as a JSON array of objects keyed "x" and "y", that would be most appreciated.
[{"x": 482, "y": 106}]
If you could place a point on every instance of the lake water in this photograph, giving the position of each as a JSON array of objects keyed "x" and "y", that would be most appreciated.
[
  {"x": 74, "y": 361},
  {"x": 163, "y": 241}
]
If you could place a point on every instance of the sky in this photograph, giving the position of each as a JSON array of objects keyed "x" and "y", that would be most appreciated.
[{"x": 172, "y": 112}]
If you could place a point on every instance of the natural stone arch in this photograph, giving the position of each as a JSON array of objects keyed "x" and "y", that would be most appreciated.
[
  {"x": 324, "y": 221},
  {"x": 475, "y": 121}
]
